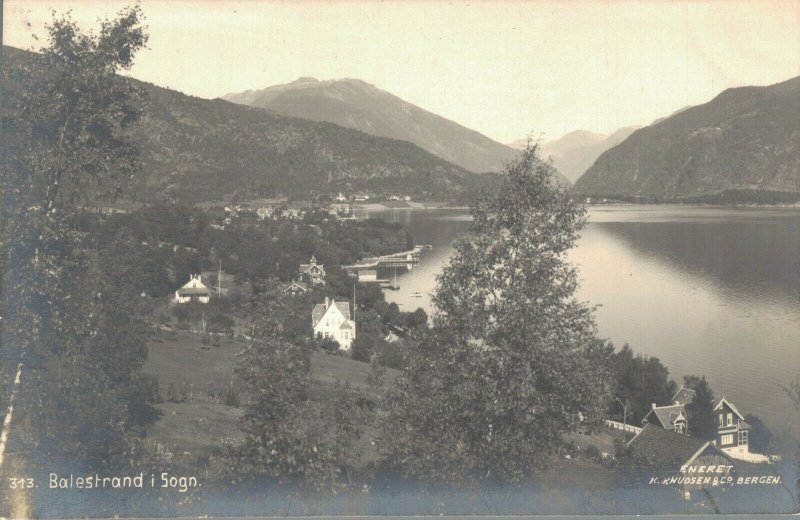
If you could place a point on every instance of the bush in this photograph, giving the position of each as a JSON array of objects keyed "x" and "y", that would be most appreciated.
[
  {"x": 362, "y": 348},
  {"x": 231, "y": 398},
  {"x": 592, "y": 452},
  {"x": 178, "y": 393},
  {"x": 219, "y": 322},
  {"x": 327, "y": 344}
]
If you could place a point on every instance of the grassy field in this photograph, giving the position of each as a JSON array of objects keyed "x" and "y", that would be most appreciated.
[
  {"x": 191, "y": 430},
  {"x": 180, "y": 357},
  {"x": 576, "y": 473}
]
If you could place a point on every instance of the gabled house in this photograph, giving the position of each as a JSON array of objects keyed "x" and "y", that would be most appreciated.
[
  {"x": 671, "y": 417},
  {"x": 732, "y": 430},
  {"x": 667, "y": 449},
  {"x": 193, "y": 291},
  {"x": 670, "y": 453},
  {"x": 295, "y": 288},
  {"x": 312, "y": 272},
  {"x": 332, "y": 320},
  {"x": 683, "y": 396}
]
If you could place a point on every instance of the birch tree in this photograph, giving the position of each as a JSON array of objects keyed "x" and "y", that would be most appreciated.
[{"x": 513, "y": 361}]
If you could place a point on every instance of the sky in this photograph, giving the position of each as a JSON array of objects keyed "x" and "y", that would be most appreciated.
[{"x": 508, "y": 69}]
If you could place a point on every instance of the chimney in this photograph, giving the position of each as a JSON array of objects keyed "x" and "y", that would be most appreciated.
[
  {"x": 652, "y": 406},
  {"x": 327, "y": 302}
]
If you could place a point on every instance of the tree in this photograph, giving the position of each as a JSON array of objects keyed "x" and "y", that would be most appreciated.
[
  {"x": 513, "y": 360},
  {"x": 67, "y": 124},
  {"x": 639, "y": 380},
  {"x": 137, "y": 267},
  {"x": 416, "y": 319},
  {"x": 361, "y": 349},
  {"x": 759, "y": 438},
  {"x": 291, "y": 439},
  {"x": 66, "y": 118},
  {"x": 700, "y": 412}
]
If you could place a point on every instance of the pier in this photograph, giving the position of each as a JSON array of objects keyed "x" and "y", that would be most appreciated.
[{"x": 402, "y": 259}]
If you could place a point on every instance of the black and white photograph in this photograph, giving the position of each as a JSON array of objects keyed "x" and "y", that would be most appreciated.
[{"x": 364, "y": 258}]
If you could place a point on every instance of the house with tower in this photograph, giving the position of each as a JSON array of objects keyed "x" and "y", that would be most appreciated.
[{"x": 312, "y": 272}]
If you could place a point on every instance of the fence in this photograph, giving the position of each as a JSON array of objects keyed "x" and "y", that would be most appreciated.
[{"x": 624, "y": 427}]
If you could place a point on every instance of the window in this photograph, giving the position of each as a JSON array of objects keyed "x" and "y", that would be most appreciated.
[
  {"x": 730, "y": 419},
  {"x": 726, "y": 440},
  {"x": 722, "y": 419},
  {"x": 743, "y": 438}
]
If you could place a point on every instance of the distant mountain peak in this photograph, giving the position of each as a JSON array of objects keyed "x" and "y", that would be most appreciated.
[
  {"x": 198, "y": 150},
  {"x": 302, "y": 81},
  {"x": 354, "y": 103},
  {"x": 574, "y": 152}
]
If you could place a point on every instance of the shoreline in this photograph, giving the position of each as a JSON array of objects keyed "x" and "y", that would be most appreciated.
[{"x": 380, "y": 206}]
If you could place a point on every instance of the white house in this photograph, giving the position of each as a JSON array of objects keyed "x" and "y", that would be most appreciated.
[
  {"x": 733, "y": 433},
  {"x": 332, "y": 320},
  {"x": 193, "y": 291}
]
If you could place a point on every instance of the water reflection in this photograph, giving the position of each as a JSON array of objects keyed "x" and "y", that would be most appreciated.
[{"x": 712, "y": 291}]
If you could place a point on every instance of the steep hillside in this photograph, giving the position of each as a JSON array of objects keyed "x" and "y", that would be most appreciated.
[
  {"x": 355, "y": 104},
  {"x": 745, "y": 141},
  {"x": 196, "y": 150}
]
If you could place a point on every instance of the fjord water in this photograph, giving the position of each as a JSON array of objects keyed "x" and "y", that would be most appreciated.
[{"x": 710, "y": 291}]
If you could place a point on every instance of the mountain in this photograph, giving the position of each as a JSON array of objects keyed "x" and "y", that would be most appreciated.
[
  {"x": 352, "y": 103},
  {"x": 576, "y": 151},
  {"x": 206, "y": 150},
  {"x": 742, "y": 145}
]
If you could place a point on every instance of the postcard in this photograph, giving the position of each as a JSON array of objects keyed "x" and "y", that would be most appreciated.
[{"x": 383, "y": 258}]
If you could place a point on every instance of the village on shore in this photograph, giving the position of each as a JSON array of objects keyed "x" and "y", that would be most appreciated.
[{"x": 662, "y": 439}]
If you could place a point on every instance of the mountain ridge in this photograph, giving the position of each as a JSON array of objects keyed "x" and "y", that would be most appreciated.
[
  {"x": 354, "y": 103},
  {"x": 576, "y": 151},
  {"x": 745, "y": 139},
  {"x": 196, "y": 150}
]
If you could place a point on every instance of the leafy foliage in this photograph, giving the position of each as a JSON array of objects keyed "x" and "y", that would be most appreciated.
[
  {"x": 65, "y": 119},
  {"x": 68, "y": 113},
  {"x": 640, "y": 381},
  {"x": 289, "y": 440},
  {"x": 512, "y": 361}
]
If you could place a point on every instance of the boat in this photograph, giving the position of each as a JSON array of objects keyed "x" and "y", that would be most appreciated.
[{"x": 416, "y": 294}]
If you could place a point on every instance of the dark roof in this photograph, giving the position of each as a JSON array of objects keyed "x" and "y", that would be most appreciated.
[
  {"x": 665, "y": 448},
  {"x": 683, "y": 395},
  {"x": 730, "y": 405},
  {"x": 667, "y": 414},
  {"x": 194, "y": 291}
]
